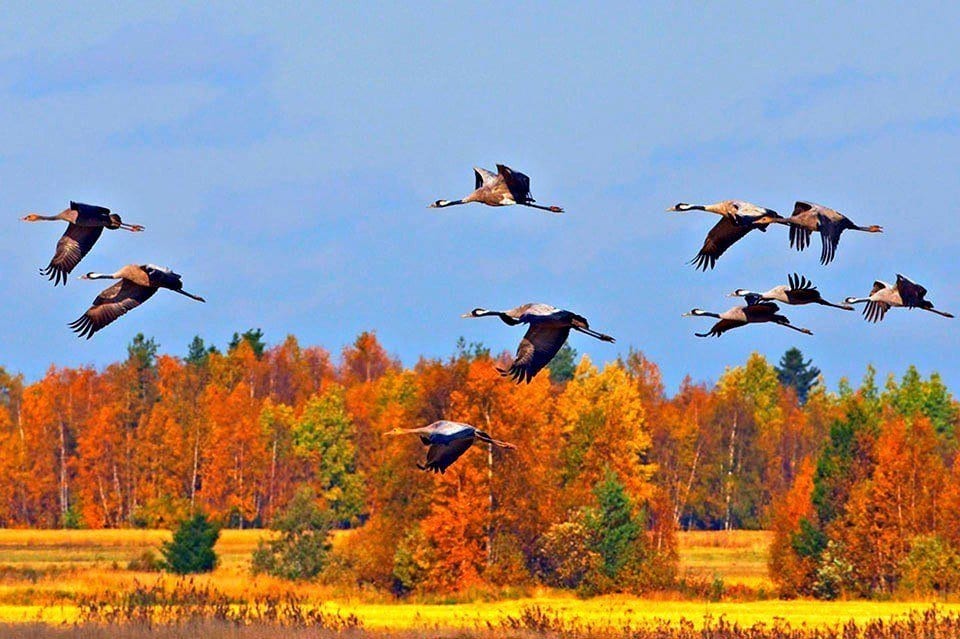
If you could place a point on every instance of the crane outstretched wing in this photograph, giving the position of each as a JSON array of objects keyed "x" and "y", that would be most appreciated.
[
  {"x": 802, "y": 290},
  {"x": 722, "y": 236},
  {"x": 539, "y": 345},
  {"x": 113, "y": 302},
  {"x": 482, "y": 176},
  {"x": 72, "y": 246},
  {"x": 441, "y": 456},
  {"x": 518, "y": 183},
  {"x": 911, "y": 293},
  {"x": 830, "y": 231},
  {"x": 721, "y": 327}
]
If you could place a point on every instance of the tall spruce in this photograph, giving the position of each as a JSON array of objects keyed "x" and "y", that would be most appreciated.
[
  {"x": 799, "y": 374},
  {"x": 254, "y": 337}
]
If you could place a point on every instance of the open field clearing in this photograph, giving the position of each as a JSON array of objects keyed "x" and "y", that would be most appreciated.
[
  {"x": 43, "y": 573},
  {"x": 738, "y": 557}
]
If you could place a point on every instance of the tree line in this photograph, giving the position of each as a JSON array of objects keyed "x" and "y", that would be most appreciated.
[{"x": 860, "y": 485}]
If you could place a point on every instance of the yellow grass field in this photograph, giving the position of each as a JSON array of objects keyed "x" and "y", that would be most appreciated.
[{"x": 42, "y": 572}]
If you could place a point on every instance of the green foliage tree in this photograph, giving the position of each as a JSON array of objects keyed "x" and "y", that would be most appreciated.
[
  {"x": 931, "y": 567},
  {"x": 303, "y": 547},
  {"x": 914, "y": 396},
  {"x": 323, "y": 436},
  {"x": 564, "y": 364},
  {"x": 198, "y": 352},
  {"x": 471, "y": 351},
  {"x": 143, "y": 351},
  {"x": 615, "y": 529},
  {"x": 191, "y": 550},
  {"x": 253, "y": 337},
  {"x": 798, "y": 374}
]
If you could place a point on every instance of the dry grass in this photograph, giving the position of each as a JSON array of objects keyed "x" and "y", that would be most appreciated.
[
  {"x": 532, "y": 622},
  {"x": 45, "y": 574},
  {"x": 737, "y": 557}
]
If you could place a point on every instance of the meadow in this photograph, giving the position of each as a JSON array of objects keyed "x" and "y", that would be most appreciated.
[{"x": 46, "y": 574}]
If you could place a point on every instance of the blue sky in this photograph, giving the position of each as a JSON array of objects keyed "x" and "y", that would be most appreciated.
[{"x": 282, "y": 160}]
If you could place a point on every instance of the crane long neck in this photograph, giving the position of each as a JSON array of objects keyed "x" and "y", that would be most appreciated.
[
  {"x": 444, "y": 203},
  {"x": 406, "y": 431},
  {"x": 501, "y": 314},
  {"x": 104, "y": 276},
  {"x": 35, "y": 217}
]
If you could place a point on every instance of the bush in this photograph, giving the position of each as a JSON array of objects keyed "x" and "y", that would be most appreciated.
[
  {"x": 191, "y": 550},
  {"x": 147, "y": 561},
  {"x": 411, "y": 561},
  {"x": 565, "y": 553},
  {"x": 836, "y": 576},
  {"x": 303, "y": 547},
  {"x": 931, "y": 567}
]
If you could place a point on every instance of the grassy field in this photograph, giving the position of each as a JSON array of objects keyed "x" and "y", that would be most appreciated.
[{"x": 43, "y": 572}]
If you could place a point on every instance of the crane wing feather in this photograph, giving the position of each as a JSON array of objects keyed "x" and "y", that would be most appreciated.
[
  {"x": 722, "y": 236},
  {"x": 538, "y": 346},
  {"x": 114, "y": 302},
  {"x": 72, "y": 247},
  {"x": 441, "y": 456}
]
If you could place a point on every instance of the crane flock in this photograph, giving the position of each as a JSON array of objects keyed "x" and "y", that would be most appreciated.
[{"x": 548, "y": 327}]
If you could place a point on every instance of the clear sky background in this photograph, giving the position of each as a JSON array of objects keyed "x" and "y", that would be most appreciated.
[{"x": 282, "y": 159}]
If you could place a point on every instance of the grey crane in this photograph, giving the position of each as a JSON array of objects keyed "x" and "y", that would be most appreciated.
[
  {"x": 905, "y": 293},
  {"x": 549, "y": 329},
  {"x": 753, "y": 313},
  {"x": 137, "y": 284},
  {"x": 85, "y": 224},
  {"x": 447, "y": 441},
  {"x": 735, "y": 210},
  {"x": 503, "y": 188},
  {"x": 799, "y": 290},
  {"x": 808, "y": 217}
]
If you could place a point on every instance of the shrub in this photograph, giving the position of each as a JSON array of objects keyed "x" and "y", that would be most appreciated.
[
  {"x": 836, "y": 575},
  {"x": 147, "y": 561},
  {"x": 301, "y": 551},
  {"x": 931, "y": 567},
  {"x": 191, "y": 550},
  {"x": 565, "y": 553},
  {"x": 411, "y": 561}
]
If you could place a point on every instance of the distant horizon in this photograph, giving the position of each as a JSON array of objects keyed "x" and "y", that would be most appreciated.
[{"x": 671, "y": 388}]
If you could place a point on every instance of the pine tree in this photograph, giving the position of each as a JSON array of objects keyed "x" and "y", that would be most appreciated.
[
  {"x": 795, "y": 372},
  {"x": 143, "y": 351},
  {"x": 198, "y": 352},
  {"x": 253, "y": 337},
  {"x": 614, "y": 525},
  {"x": 191, "y": 550}
]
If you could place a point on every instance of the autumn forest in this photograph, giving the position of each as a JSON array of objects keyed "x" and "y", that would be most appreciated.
[{"x": 860, "y": 484}]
